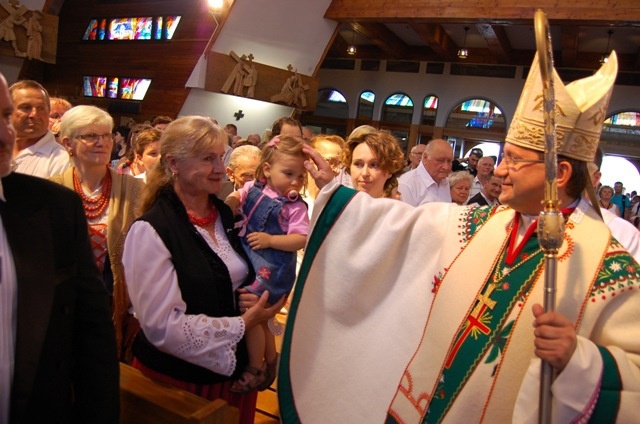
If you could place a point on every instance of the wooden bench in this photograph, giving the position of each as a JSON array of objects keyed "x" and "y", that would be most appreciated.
[{"x": 143, "y": 400}]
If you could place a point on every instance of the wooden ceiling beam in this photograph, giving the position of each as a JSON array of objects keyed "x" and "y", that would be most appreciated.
[
  {"x": 569, "y": 54},
  {"x": 605, "y": 11},
  {"x": 437, "y": 38},
  {"x": 496, "y": 38},
  {"x": 382, "y": 37}
]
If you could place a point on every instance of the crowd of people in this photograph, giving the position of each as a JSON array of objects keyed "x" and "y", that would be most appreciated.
[{"x": 187, "y": 243}]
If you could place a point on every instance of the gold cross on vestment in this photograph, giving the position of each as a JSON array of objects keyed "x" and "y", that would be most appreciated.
[
  {"x": 475, "y": 322},
  {"x": 484, "y": 299}
]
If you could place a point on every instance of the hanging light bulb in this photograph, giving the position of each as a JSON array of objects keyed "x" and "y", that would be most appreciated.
[
  {"x": 351, "y": 50},
  {"x": 605, "y": 57},
  {"x": 463, "y": 53},
  {"x": 216, "y": 4}
]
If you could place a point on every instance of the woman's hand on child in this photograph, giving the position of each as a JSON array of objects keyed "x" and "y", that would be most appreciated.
[
  {"x": 261, "y": 311},
  {"x": 246, "y": 299},
  {"x": 259, "y": 240}
]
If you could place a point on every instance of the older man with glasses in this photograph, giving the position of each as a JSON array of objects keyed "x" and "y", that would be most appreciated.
[
  {"x": 428, "y": 182},
  {"x": 416, "y": 155}
]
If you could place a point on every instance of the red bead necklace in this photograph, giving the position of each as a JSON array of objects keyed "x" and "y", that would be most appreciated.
[
  {"x": 203, "y": 222},
  {"x": 93, "y": 207}
]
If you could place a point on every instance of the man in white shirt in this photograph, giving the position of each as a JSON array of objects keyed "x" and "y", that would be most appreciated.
[
  {"x": 428, "y": 182},
  {"x": 36, "y": 151}
]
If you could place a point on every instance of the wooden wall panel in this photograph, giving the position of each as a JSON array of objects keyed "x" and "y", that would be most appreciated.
[
  {"x": 169, "y": 63},
  {"x": 269, "y": 83}
]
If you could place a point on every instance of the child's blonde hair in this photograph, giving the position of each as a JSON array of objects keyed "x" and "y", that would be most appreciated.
[{"x": 280, "y": 145}]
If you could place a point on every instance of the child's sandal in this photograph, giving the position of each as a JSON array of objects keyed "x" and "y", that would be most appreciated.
[{"x": 251, "y": 379}]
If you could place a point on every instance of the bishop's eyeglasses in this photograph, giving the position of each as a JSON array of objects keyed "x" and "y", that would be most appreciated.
[{"x": 511, "y": 162}]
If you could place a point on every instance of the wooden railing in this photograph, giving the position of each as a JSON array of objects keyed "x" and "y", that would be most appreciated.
[{"x": 143, "y": 400}]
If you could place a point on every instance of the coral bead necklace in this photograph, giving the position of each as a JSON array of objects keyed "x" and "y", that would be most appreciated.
[
  {"x": 93, "y": 207},
  {"x": 203, "y": 222}
]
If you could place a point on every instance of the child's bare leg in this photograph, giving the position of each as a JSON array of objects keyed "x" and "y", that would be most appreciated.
[
  {"x": 271, "y": 358},
  {"x": 253, "y": 376},
  {"x": 255, "y": 338},
  {"x": 269, "y": 345}
]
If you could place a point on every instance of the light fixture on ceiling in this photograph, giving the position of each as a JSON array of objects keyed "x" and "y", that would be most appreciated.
[
  {"x": 216, "y": 9},
  {"x": 351, "y": 50},
  {"x": 463, "y": 53},
  {"x": 216, "y": 4},
  {"x": 605, "y": 57}
]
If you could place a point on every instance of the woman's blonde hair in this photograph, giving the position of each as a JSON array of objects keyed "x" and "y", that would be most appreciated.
[
  {"x": 280, "y": 145},
  {"x": 184, "y": 138},
  {"x": 386, "y": 149}
]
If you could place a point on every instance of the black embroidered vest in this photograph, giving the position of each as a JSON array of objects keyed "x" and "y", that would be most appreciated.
[{"x": 203, "y": 278}]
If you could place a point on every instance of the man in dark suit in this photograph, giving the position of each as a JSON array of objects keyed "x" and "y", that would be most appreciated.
[
  {"x": 56, "y": 337},
  {"x": 490, "y": 192}
]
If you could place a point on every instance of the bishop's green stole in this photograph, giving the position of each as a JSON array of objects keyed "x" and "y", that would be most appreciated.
[{"x": 486, "y": 328}]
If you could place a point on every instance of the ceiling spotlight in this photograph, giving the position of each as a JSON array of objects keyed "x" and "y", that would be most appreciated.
[
  {"x": 351, "y": 50},
  {"x": 605, "y": 56},
  {"x": 463, "y": 53},
  {"x": 216, "y": 4}
]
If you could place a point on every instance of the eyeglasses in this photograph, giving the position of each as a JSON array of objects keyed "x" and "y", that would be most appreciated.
[
  {"x": 511, "y": 162},
  {"x": 92, "y": 138}
]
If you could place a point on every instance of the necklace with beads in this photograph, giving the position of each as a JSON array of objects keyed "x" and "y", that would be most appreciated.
[
  {"x": 203, "y": 222},
  {"x": 93, "y": 207}
]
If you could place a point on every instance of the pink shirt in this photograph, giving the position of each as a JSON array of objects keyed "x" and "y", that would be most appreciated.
[{"x": 293, "y": 217}]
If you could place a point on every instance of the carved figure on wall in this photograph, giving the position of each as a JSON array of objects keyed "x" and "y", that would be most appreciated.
[
  {"x": 34, "y": 34},
  {"x": 244, "y": 74},
  {"x": 236, "y": 76},
  {"x": 293, "y": 92},
  {"x": 299, "y": 92},
  {"x": 7, "y": 26},
  {"x": 251, "y": 78}
]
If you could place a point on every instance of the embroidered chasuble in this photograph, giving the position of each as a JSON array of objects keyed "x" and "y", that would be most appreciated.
[
  {"x": 412, "y": 315},
  {"x": 485, "y": 332}
]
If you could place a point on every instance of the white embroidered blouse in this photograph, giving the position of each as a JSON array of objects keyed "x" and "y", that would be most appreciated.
[{"x": 209, "y": 342}]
